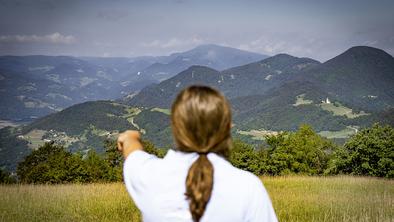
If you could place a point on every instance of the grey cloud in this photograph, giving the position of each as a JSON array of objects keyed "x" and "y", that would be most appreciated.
[
  {"x": 112, "y": 14},
  {"x": 173, "y": 43},
  {"x": 54, "y": 38},
  {"x": 159, "y": 27}
]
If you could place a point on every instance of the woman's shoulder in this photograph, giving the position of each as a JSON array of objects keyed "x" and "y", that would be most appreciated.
[{"x": 233, "y": 175}]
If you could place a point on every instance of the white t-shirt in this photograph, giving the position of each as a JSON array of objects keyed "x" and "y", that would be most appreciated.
[{"x": 157, "y": 186}]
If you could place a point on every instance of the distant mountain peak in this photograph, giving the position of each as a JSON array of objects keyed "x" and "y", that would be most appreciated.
[
  {"x": 365, "y": 51},
  {"x": 366, "y": 56},
  {"x": 282, "y": 60},
  {"x": 283, "y": 55},
  {"x": 362, "y": 48},
  {"x": 204, "y": 46},
  {"x": 219, "y": 48},
  {"x": 212, "y": 46},
  {"x": 200, "y": 67}
]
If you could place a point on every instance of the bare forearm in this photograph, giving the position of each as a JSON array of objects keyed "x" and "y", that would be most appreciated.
[
  {"x": 128, "y": 142},
  {"x": 130, "y": 147}
]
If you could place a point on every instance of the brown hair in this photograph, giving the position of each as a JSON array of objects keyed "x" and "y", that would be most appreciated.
[{"x": 201, "y": 122}]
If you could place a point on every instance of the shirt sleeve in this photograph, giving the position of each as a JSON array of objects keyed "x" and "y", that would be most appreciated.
[
  {"x": 136, "y": 175},
  {"x": 260, "y": 204}
]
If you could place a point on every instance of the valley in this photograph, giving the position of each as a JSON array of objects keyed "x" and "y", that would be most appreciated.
[
  {"x": 35, "y": 86},
  {"x": 275, "y": 94}
]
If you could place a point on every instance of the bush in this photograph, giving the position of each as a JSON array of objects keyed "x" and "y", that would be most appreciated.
[
  {"x": 370, "y": 152},
  {"x": 6, "y": 178},
  {"x": 301, "y": 152},
  {"x": 150, "y": 148},
  {"x": 51, "y": 163},
  {"x": 245, "y": 157}
]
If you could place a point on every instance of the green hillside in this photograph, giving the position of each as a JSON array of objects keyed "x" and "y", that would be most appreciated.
[
  {"x": 360, "y": 77},
  {"x": 276, "y": 94}
]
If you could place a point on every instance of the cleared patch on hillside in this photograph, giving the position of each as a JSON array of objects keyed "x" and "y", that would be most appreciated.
[
  {"x": 5, "y": 123},
  {"x": 300, "y": 100},
  {"x": 33, "y": 103},
  {"x": 58, "y": 96},
  {"x": 84, "y": 81},
  {"x": 340, "y": 110},
  {"x": 37, "y": 138},
  {"x": 341, "y": 134},
  {"x": 258, "y": 134},
  {"x": 60, "y": 138},
  {"x": 165, "y": 111},
  {"x": 34, "y": 138}
]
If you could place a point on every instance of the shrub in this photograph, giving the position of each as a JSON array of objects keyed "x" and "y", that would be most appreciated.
[
  {"x": 302, "y": 152},
  {"x": 370, "y": 152},
  {"x": 6, "y": 178}
]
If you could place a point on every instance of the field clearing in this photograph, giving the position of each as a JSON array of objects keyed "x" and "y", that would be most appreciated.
[
  {"x": 300, "y": 100},
  {"x": 343, "y": 134},
  {"x": 34, "y": 138},
  {"x": 295, "y": 198},
  {"x": 165, "y": 111},
  {"x": 341, "y": 110},
  {"x": 5, "y": 123},
  {"x": 258, "y": 134}
]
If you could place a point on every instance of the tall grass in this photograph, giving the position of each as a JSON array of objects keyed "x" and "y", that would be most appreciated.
[
  {"x": 294, "y": 198},
  {"x": 331, "y": 198},
  {"x": 74, "y": 202}
]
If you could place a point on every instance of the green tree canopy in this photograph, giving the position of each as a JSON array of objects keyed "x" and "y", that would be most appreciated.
[
  {"x": 303, "y": 151},
  {"x": 369, "y": 152},
  {"x": 51, "y": 163},
  {"x": 5, "y": 177}
]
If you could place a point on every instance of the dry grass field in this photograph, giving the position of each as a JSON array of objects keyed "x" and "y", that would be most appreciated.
[{"x": 295, "y": 198}]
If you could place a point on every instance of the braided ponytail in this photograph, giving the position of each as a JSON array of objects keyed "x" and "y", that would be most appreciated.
[{"x": 199, "y": 184}]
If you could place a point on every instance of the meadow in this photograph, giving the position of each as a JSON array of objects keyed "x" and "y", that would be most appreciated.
[{"x": 295, "y": 198}]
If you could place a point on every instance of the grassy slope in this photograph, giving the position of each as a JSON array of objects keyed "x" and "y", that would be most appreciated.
[{"x": 294, "y": 199}]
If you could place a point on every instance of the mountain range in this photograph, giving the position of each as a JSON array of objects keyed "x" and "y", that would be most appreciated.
[
  {"x": 337, "y": 98},
  {"x": 34, "y": 86}
]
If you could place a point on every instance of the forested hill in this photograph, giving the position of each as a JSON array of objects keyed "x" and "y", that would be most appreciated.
[
  {"x": 34, "y": 86},
  {"x": 337, "y": 98},
  {"x": 250, "y": 79},
  {"x": 362, "y": 77}
]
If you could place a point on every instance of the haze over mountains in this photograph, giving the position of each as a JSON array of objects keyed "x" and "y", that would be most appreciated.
[
  {"x": 337, "y": 97},
  {"x": 34, "y": 86}
]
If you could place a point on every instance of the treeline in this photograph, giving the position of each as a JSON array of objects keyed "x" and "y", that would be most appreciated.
[
  {"x": 370, "y": 152},
  {"x": 51, "y": 163}
]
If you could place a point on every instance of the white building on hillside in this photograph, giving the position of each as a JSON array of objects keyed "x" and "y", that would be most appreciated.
[{"x": 327, "y": 101}]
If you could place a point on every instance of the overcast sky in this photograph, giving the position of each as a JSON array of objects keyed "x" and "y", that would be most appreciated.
[{"x": 305, "y": 28}]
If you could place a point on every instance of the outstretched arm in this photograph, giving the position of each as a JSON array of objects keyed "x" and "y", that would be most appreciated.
[{"x": 129, "y": 141}]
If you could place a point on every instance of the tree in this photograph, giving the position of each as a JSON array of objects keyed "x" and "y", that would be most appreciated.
[
  {"x": 51, "y": 163},
  {"x": 150, "y": 148},
  {"x": 303, "y": 152},
  {"x": 114, "y": 160},
  {"x": 245, "y": 157},
  {"x": 96, "y": 167},
  {"x": 370, "y": 152},
  {"x": 5, "y": 177}
]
